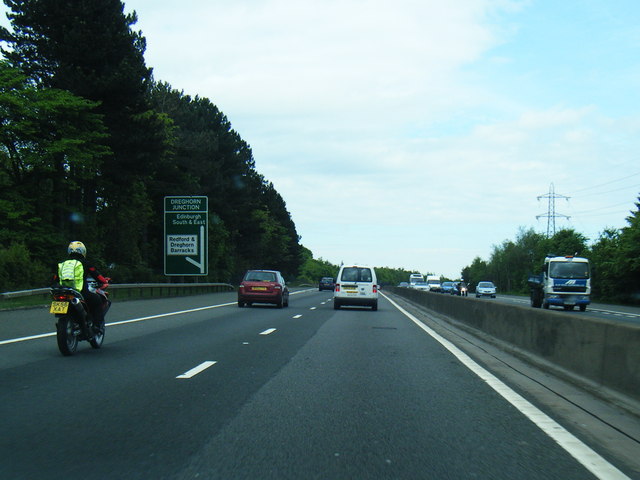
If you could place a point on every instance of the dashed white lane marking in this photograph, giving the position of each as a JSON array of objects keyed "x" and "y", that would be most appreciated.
[
  {"x": 196, "y": 370},
  {"x": 312, "y": 308},
  {"x": 268, "y": 331},
  {"x": 297, "y": 316},
  {"x": 593, "y": 462}
]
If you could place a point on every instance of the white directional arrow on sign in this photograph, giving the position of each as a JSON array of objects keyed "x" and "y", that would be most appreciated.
[{"x": 200, "y": 264}]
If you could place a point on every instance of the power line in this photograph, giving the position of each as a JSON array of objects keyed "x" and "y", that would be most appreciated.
[
  {"x": 607, "y": 183},
  {"x": 551, "y": 214}
]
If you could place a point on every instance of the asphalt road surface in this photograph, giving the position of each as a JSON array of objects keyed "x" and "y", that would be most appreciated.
[
  {"x": 616, "y": 313},
  {"x": 197, "y": 388}
]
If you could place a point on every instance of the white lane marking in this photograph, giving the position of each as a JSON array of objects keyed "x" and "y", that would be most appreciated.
[
  {"x": 124, "y": 322},
  {"x": 268, "y": 331},
  {"x": 578, "y": 450},
  {"x": 196, "y": 370},
  {"x": 613, "y": 312},
  {"x": 312, "y": 308},
  {"x": 24, "y": 339},
  {"x": 302, "y": 291},
  {"x": 134, "y": 320},
  {"x": 297, "y": 316}
]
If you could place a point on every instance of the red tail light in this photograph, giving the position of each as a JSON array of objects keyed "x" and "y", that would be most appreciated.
[
  {"x": 375, "y": 289},
  {"x": 60, "y": 298},
  {"x": 337, "y": 287}
]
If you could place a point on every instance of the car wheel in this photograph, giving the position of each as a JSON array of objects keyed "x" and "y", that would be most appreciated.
[
  {"x": 240, "y": 304},
  {"x": 336, "y": 305},
  {"x": 374, "y": 307}
]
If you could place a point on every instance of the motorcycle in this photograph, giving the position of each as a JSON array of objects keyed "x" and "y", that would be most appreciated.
[{"x": 74, "y": 322}]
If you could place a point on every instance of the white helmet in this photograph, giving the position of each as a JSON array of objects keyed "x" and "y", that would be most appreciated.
[{"x": 77, "y": 247}]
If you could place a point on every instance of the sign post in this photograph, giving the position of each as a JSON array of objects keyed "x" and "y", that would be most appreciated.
[{"x": 186, "y": 227}]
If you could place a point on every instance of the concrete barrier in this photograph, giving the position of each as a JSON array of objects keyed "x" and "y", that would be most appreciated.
[{"x": 602, "y": 351}]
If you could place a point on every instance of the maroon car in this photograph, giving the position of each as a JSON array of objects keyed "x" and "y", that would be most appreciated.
[{"x": 263, "y": 286}]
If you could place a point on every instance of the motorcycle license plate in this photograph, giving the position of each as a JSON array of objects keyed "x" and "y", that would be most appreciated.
[{"x": 59, "y": 307}]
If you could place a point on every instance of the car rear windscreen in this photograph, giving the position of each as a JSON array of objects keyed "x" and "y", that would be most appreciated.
[{"x": 356, "y": 274}]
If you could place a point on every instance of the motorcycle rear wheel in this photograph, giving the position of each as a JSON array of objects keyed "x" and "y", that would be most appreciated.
[{"x": 67, "y": 341}]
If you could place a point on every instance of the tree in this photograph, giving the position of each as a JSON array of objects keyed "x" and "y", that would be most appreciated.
[
  {"x": 476, "y": 272},
  {"x": 565, "y": 242},
  {"x": 629, "y": 256},
  {"x": 91, "y": 51},
  {"x": 607, "y": 267},
  {"x": 50, "y": 143}
]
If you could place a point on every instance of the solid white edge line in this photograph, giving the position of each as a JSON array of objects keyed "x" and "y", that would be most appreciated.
[
  {"x": 591, "y": 460},
  {"x": 196, "y": 370}
]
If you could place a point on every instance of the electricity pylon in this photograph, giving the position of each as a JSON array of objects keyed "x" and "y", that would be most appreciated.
[{"x": 551, "y": 210}]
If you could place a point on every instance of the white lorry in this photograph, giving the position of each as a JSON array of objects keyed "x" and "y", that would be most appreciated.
[
  {"x": 564, "y": 282},
  {"x": 415, "y": 278}
]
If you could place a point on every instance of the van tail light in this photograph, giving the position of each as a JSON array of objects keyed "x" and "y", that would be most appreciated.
[
  {"x": 375, "y": 289},
  {"x": 337, "y": 287}
]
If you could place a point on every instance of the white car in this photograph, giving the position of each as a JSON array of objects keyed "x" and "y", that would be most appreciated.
[
  {"x": 424, "y": 286},
  {"x": 356, "y": 285},
  {"x": 486, "y": 289}
]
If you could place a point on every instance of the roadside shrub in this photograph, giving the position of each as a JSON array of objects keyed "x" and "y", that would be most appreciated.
[{"x": 19, "y": 272}]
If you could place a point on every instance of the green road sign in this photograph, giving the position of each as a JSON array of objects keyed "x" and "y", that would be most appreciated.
[{"x": 186, "y": 246}]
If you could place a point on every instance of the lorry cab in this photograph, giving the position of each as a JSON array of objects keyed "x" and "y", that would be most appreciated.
[
  {"x": 415, "y": 278},
  {"x": 564, "y": 282}
]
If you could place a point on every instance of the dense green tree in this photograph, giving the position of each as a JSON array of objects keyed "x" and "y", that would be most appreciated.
[
  {"x": 50, "y": 143},
  {"x": 312, "y": 270},
  {"x": 607, "y": 268},
  {"x": 90, "y": 50},
  {"x": 565, "y": 242},
  {"x": 629, "y": 256},
  {"x": 478, "y": 271}
]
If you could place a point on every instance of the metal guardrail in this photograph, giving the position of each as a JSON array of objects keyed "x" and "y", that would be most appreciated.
[{"x": 135, "y": 290}]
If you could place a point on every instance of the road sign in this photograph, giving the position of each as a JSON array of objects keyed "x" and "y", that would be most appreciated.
[{"x": 186, "y": 226}]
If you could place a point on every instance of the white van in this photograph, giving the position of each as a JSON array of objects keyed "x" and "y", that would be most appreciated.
[
  {"x": 433, "y": 283},
  {"x": 356, "y": 285}
]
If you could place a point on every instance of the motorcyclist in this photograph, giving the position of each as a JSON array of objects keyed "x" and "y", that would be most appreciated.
[{"x": 75, "y": 271}]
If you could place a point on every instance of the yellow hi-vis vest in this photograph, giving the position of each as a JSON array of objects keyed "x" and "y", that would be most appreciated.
[{"x": 71, "y": 273}]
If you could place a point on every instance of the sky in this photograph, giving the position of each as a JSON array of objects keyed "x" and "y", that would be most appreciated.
[{"x": 419, "y": 134}]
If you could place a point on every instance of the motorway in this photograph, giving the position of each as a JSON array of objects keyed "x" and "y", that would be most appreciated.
[
  {"x": 195, "y": 387},
  {"x": 619, "y": 313}
]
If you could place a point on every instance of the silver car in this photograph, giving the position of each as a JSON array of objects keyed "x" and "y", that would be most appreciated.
[{"x": 486, "y": 289}]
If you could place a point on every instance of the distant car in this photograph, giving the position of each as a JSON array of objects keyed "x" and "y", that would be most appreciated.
[
  {"x": 263, "y": 286},
  {"x": 326, "y": 283},
  {"x": 486, "y": 289},
  {"x": 424, "y": 286},
  {"x": 403, "y": 284},
  {"x": 447, "y": 287},
  {"x": 356, "y": 285}
]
